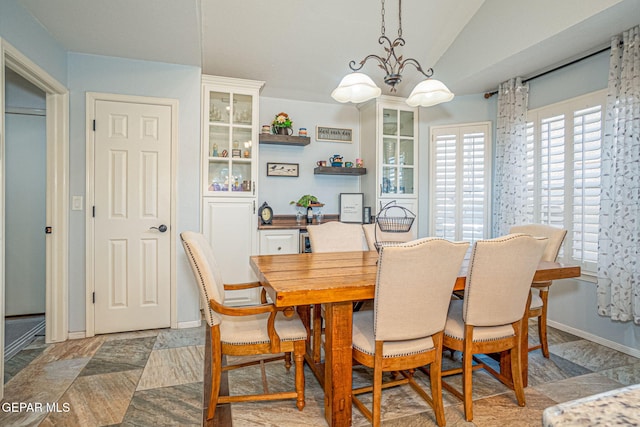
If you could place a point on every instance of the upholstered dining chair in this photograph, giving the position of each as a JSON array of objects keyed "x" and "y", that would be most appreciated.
[
  {"x": 404, "y": 331},
  {"x": 332, "y": 236},
  {"x": 336, "y": 236},
  {"x": 540, "y": 290},
  {"x": 490, "y": 317},
  {"x": 243, "y": 331},
  {"x": 374, "y": 235}
]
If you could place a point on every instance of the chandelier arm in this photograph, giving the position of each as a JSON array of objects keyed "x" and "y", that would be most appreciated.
[
  {"x": 427, "y": 73},
  {"x": 382, "y": 63}
]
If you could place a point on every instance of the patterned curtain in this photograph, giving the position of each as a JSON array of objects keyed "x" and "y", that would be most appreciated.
[
  {"x": 619, "y": 234},
  {"x": 510, "y": 189}
]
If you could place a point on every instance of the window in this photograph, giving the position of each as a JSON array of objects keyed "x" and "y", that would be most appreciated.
[
  {"x": 563, "y": 165},
  {"x": 460, "y": 181}
]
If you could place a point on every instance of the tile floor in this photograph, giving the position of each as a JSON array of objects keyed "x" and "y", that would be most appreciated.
[{"x": 155, "y": 378}]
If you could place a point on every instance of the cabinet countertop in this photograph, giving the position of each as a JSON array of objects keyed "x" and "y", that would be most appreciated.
[{"x": 288, "y": 222}]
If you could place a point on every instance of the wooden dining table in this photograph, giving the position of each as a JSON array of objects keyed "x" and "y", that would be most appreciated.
[{"x": 337, "y": 279}]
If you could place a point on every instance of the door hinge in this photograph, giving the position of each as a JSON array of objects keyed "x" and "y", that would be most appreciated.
[
  {"x": 94, "y": 125},
  {"x": 93, "y": 212},
  {"x": 254, "y": 206},
  {"x": 93, "y": 297},
  {"x": 48, "y": 230}
]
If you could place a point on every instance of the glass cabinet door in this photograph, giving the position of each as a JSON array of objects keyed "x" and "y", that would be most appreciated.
[
  {"x": 230, "y": 147},
  {"x": 398, "y": 152}
]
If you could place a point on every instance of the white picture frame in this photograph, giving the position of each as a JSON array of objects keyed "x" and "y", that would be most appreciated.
[
  {"x": 352, "y": 207},
  {"x": 283, "y": 169}
]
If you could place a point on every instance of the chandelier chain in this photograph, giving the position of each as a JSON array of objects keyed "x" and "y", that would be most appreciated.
[
  {"x": 382, "y": 27},
  {"x": 399, "y": 18}
]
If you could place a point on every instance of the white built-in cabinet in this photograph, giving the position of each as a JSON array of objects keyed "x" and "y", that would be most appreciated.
[
  {"x": 229, "y": 177},
  {"x": 389, "y": 149},
  {"x": 278, "y": 242}
]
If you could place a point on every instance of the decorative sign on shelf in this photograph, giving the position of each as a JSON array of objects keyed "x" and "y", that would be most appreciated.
[{"x": 324, "y": 133}]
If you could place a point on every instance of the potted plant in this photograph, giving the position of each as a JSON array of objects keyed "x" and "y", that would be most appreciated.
[
  {"x": 282, "y": 124},
  {"x": 307, "y": 201}
]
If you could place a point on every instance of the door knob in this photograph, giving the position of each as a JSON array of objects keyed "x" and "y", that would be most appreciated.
[{"x": 162, "y": 228}]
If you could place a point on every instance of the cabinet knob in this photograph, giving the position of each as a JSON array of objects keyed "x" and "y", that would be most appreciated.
[{"x": 279, "y": 248}]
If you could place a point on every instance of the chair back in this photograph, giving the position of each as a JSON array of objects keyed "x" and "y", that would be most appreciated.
[
  {"x": 205, "y": 270},
  {"x": 554, "y": 235},
  {"x": 413, "y": 289},
  {"x": 499, "y": 279},
  {"x": 335, "y": 236},
  {"x": 372, "y": 233}
]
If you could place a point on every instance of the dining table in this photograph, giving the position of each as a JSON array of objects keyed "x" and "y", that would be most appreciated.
[{"x": 336, "y": 280}]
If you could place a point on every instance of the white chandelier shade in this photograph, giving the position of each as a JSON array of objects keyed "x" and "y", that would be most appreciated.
[
  {"x": 428, "y": 93},
  {"x": 356, "y": 88}
]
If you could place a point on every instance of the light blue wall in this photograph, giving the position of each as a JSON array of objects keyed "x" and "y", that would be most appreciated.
[
  {"x": 279, "y": 191},
  {"x": 578, "y": 79},
  {"x": 90, "y": 73},
  {"x": 26, "y": 34}
]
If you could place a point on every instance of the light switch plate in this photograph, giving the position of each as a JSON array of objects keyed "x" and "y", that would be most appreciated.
[{"x": 76, "y": 203}]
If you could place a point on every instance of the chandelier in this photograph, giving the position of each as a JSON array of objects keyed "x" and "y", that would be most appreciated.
[{"x": 358, "y": 87}]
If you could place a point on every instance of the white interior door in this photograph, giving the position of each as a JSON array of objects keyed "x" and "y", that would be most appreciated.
[{"x": 132, "y": 245}]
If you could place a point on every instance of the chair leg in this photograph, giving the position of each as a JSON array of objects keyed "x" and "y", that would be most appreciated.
[
  {"x": 467, "y": 373},
  {"x": 287, "y": 361},
  {"x": 516, "y": 367},
  {"x": 435, "y": 375},
  {"x": 216, "y": 370},
  {"x": 298, "y": 354},
  {"x": 377, "y": 385},
  {"x": 542, "y": 324}
]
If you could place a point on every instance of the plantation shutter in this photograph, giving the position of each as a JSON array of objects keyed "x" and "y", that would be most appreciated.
[
  {"x": 587, "y": 134},
  {"x": 563, "y": 167},
  {"x": 459, "y": 182}
]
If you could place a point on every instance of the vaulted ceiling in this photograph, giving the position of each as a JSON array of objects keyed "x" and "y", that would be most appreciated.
[{"x": 302, "y": 48}]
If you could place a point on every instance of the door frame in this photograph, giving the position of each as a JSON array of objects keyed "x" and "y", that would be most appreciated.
[
  {"x": 57, "y": 194},
  {"x": 91, "y": 98}
]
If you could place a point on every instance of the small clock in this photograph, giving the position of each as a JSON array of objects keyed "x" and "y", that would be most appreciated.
[{"x": 265, "y": 213}]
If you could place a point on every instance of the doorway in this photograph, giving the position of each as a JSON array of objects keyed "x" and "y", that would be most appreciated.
[
  {"x": 56, "y": 204},
  {"x": 25, "y": 212}
]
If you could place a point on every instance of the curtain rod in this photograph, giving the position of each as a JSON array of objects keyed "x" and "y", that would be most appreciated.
[{"x": 559, "y": 67}]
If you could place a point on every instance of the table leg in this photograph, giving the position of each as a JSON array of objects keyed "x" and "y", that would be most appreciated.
[
  {"x": 337, "y": 384},
  {"x": 505, "y": 363}
]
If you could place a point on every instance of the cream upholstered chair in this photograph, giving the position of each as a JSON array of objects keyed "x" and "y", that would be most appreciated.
[
  {"x": 373, "y": 234},
  {"x": 404, "y": 330},
  {"x": 243, "y": 331},
  {"x": 332, "y": 236},
  {"x": 540, "y": 291},
  {"x": 490, "y": 317},
  {"x": 336, "y": 236}
]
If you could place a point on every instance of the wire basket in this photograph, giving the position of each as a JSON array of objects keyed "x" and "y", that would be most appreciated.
[{"x": 400, "y": 222}]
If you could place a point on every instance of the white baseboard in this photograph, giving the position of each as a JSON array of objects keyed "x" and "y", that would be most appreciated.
[
  {"x": 77, "y": 335},
  {"x": 181, "y": 325},
  {"x": 190, "y": 324},
  {"x": 586, "y": 335}
]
